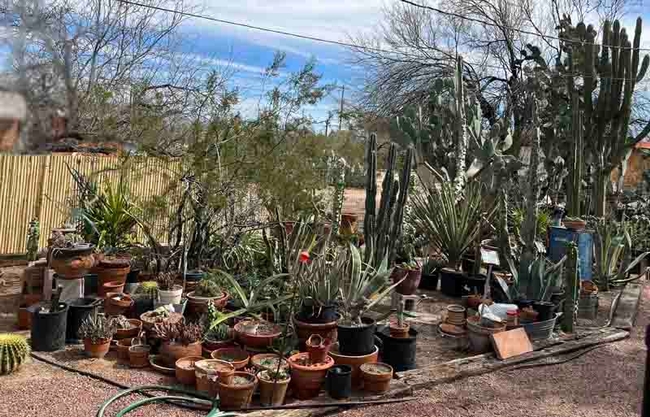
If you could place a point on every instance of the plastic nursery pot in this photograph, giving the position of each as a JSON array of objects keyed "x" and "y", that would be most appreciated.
[
  {"x": 238, "y": 393},
  {"x": 209, "y": 372},
  {"x": 186, "y": 371},
  {"x": 123, "y": 351},
  {"x": 313, "y": 314},
  {"x": 317, "y": 347},
  {"x": 48, "y": 328},
  {"x": 399, "y": 352},
  {"x": 411, "y": 279},
  {"x": 132, "y": 331},
  {"x": 376, "y": 377},
  {"x": 90, "y": 284},
  {"x": 399, "y": 332},
  {"x": 452, "y": 282},
  {"x": 141, "y": 305},
  {"x": 307, "y": 377},
  {"x": 78, "y": 310},
  {"x": 272, "y": 392},
  {"x": 97, "y": 350},
  {"x": 236, "y": 356},
  {"x": 132, "y": 276},
  {"x": 268, "y": 361},
  {"x": 476, "y": 283},
  {"x": 545, "y": 310},
  {"x": 429, "y": 282},
  {"x": 114, "y": 287},
  {"x": 339, "y": 382},
  {"x": 173, "y": 351},
  {"x": 357, "y": 340},
  {"x": 354, "y": 362},
  {"x": 139, "y": 356},
  {"x": 117, "y": 304},
  {"x": 173, "y": 296},
  {"x": 304, "y": 330},
  {"x": 257, "y": 334}
]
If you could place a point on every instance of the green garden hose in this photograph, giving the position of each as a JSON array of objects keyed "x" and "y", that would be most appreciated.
[{"x": 193, "y": 397}]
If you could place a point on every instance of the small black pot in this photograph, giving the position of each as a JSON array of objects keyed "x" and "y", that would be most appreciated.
[
  {"x": 90, "y": 284},
  {"x": 132, "y": 276},
  {"x": 429, "y": 282},
  {"x": 545, "y": 310},
  {"x": 476, "y": 283},
  {"x": 398, "y": 352},
  {"x": 194, "y": 276},
  {"x": 452, "y": 282},
  {"x": 48, "y": 329},
  {"x": 312, "y": 314},
  {"x": 78, "y": 310},
  {"x": 339, "y": 382},
  {"x": 357, "y": 340}
]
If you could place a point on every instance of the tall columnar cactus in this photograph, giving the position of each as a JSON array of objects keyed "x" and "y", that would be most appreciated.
[
  {"x": 461, "y": 126},
  {"x": 33, "y": 235},
  {"x": 14, "y": 351},
  {"x": 572, "y": 288},
  {"x": 617, "y": 70},
  {"x": 383, "y": 229}
]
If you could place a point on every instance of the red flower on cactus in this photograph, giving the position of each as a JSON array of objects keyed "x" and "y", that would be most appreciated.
[{"x": 304, "y": 257}]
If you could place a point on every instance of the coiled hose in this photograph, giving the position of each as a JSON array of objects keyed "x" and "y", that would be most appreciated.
[{"x": 189, "y": 397}]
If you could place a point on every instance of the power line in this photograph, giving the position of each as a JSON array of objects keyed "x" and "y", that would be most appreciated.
[{"x": 522, "y": 31}]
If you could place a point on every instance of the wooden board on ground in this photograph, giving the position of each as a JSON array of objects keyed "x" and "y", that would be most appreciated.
[
  {"x": 628, "y": 305},
  {"x": 511, "y": 343}
]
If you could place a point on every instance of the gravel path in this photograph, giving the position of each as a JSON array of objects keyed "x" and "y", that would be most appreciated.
[{"x": 605, "y": 382}]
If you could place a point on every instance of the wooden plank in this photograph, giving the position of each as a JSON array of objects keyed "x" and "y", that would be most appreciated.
[
  {"x": 628, "y": 305},
  {"x": 512, "y": 343}
]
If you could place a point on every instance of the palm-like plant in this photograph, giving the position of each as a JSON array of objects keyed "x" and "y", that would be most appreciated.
[{"x": 450, "y": 221}]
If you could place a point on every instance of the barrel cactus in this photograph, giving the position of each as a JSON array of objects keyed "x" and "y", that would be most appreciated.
[
  {"x": 14, "y": 351},
  {"x": 147, "y": 289}
]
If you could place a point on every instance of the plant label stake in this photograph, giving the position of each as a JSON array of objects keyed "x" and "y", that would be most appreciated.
[{"x": 489, "y": 257}]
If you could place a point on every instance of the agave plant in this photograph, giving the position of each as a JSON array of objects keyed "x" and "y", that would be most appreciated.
[{"x": 450, "y": 221}]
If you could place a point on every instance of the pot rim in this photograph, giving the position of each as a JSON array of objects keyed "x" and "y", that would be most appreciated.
[
  {"x": 327, "y": 325},
  {"x": 188, "y": 358},
  {"x": 216, "y": 352},
  {"x": 389, "y": 369},
  {"x": 366, "y": 322},
  {"x": 139, "y": 348},
  {"x": 276, "y": 332},
  {"x": 177, "y": 288},
  {"x": 233, "y": 387},
  {"x": 191, "y": 296},
  {"x": 227, "y": 365},
  {"x": 334, "y": 352},
  {"x": 329, "y": 362},
  {"x": 268, "y": 381}
]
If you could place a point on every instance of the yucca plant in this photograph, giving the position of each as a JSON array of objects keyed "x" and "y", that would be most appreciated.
[
  {"x": 14, "y": 351},
  {"x": 450, "y": 221}
]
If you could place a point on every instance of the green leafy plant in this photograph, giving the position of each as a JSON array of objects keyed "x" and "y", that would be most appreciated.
[
  {"x": 14, "y": 351},
  {"x": 538, "y": 279},
  {"x": 98, "y": 328},
  {"x": 250, "y": 300}
]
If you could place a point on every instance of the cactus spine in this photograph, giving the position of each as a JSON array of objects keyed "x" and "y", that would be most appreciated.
[
  {"x": 382, "y": 230},
  {"x": 571, "y": 284},
  {"x": 14, "y": 351}
]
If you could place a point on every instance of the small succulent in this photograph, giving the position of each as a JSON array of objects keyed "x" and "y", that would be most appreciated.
[
  {"x": 122, "y": 322},
  {"x": 62, "y": 240},
  {"x": 182, "y": 333},
  {"x": 166, "y": 281},
  {"x": 219, "y": 333},
  {"x": 14, "y": 351},
  {"x": 97, "y": 327},
  {"x": 207, "y": 288}
]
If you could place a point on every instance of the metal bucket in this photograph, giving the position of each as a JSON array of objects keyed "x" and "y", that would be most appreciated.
[
  {"x": 479, "y": 336},
  {"x": 541, "y": 330}
]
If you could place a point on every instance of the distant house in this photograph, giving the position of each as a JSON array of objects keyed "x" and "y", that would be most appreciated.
[
  {"x": 637, "y": 165},
  {"x": 13, "y": 111}
]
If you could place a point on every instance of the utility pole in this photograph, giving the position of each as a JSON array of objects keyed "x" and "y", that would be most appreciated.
[{"x": 341, "y": 110}]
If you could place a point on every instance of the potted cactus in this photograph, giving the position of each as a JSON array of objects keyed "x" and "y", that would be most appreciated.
[
  {"x": 144, "y": 297},
  {"x": 97, "y": 331},
  {"x": 207, "y": 291},
  {"x": 14, "y": 351},
  {"x": 168, "y": 291}
]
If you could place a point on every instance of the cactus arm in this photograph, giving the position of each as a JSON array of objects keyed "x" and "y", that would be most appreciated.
[{"x": 371, "y": 195}]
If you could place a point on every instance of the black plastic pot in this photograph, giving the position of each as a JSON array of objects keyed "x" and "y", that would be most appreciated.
[
  {"x": 545, "y": 310},
  {"x": 339, "y": 382},
  {"x": 48, "y": 329},
  {"x": 194, "y": 276},
  {"x": 141, "y": 305},
  {"x": 452, "y": 282},
  {"x": 398, "y": 352},
  {"x": 313, "y": 314},
  {"x": 429, "y": 282},
  {"x": 476, "y": 283},
  {"x": 90, "y": 284},
  {"x": 132, "y": 276},
  {"x": 357, "y": 340},
  {"x": 524, "y": 304},
  {"x": 78, "y": 310}
]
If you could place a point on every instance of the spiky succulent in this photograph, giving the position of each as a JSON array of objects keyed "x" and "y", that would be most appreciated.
[
  {"x": 207, "y": 288},
  {"x": 98, "y": 328},
  {"x": 166, "y": 281},
  {"x": 147, "y": 289},
  {"x": 14, "y": 351}
]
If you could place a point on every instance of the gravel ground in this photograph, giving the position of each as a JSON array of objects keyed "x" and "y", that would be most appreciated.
[{"x": 605, "y": 382}]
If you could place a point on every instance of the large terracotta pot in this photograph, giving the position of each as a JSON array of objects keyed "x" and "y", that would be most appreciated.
[
  {"x": 198, "y": 305},
  {"x": 256, "y": 334},
  {"x": 307, "y": 377},
  {"x": 133, "y": 331},
  {"x": 236, "y": 356},
  {"x": 272, "y": 392},
  {"x": 72, "y": 263},
  {"x": 173, "y": 351},
  {"x": 411, "y": 279},
  {"x": 117, "y": 303},
  {"x": 304, "y": 330},
  {"x": 109, "y": 270},
  {"x": 238, "y": 393},
  {"x": 354, "y": 362},
  {"x": 97, "y": 350}
]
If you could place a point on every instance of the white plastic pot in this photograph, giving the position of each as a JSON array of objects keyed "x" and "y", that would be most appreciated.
[{"x": 172, "y": 296}]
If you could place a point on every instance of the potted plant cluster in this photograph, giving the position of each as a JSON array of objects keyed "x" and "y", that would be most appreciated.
[{"x": 69, "y": 255}]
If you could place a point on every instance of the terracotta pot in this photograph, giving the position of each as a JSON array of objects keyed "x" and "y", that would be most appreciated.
[
  {"x": 306, "y": 377},
  {"x": 268, "y": 361},
  {"x": 97, "y": 350},
  {"x": 354, "y": 362},
  {"x": 139, "y": 356},
  {"x": 272, "y": 392},
  {"x": 148, "y": 321},
  {"x": 236, "y": 356},
  {"x": 376, "y": 377},
  {"x": 304, "y": 330},
  {"x": 134, "y": 331},
  {"x": 456, "y": 315},
  {"x": 212, "y": 345},
  {"x": 72, "y": 263},
  {"x": 528, "y": 315},
  {"x": 31, "y": 299},
  {"x": 199, "y": 305},
  {"x": 399, "y": 332},
  {"x": 185, "y": 370},
  {"x": 209, "y": 372},
  {"x": 348, "y": 224},
  {"x": 110, "y": 287},
  {"x": 317, "y": 347},
  {"x": 256, "y": 334},
  {"x": 24, "y": 319},
  {"x": 411, "y": 279},
  {"x": 117, "y": 306},
  {"x": 109, "y": 270},
  {"x": 123, "y": 351},
  {"x": 575, "y": 225},
  {"x": 238, "y": 393},
  {"x": 588, "y": 287},
  {"x": 173, "y": 351}
]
